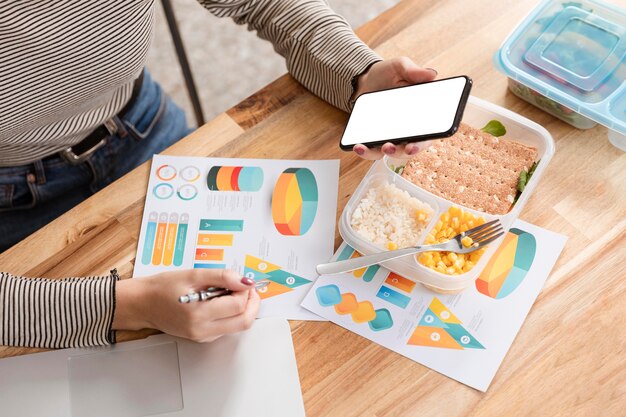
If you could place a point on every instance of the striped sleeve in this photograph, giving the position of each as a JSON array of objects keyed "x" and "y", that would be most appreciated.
[
  {"x": 47, "y": 313},
  {"x": 321, "y": 50}
]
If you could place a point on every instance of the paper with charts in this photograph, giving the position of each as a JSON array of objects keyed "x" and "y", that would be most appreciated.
[
  {"x": 463, "y": 336},
  {"x": 267, "y": 219}
]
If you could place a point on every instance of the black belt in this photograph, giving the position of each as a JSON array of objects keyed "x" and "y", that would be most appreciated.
[{"x": 95, "y": 140}]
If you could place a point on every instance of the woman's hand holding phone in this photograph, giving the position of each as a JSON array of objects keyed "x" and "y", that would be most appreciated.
[{"x": 391, "y": 73}]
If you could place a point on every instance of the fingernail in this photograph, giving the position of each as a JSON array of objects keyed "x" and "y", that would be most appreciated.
[
  {"x": 433, "y": 70},
  {"x": 414, "y": 149},
  {"x": 359, "y": 150},
  {"x": 247, "y": 281},
  {"x": 390, "y": 150}
]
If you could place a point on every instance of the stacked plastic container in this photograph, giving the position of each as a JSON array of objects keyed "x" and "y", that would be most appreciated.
[
  {"x": 477, "y": 114},
  {"x": 569, "y": 59}
]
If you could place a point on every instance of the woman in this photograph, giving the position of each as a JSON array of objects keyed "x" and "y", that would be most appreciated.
[{"x": 78, "y": 110}]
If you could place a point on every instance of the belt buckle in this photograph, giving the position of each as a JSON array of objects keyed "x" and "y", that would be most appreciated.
[{"x": 70, "y": 156}]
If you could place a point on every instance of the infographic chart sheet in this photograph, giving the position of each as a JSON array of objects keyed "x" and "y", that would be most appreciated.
[
  {"x": 464, "y": 336},
  {"x": 267, "y": 219}
]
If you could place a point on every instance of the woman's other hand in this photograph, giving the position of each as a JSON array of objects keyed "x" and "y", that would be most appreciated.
[{"x": 390, "y": 73}]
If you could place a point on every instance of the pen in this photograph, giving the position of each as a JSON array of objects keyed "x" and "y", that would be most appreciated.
[{"x": 213, "y": 292}]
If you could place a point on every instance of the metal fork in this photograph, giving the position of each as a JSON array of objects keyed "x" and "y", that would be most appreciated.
[{"x": 481, "y": 235}]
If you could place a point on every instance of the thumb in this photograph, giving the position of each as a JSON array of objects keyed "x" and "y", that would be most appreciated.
[
  {"x": 413, "y": 74},
  {"x": 224, "y": 278}
]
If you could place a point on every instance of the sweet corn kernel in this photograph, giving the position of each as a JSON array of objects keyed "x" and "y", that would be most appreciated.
[
  {"x": 426, "y": 258},
  {"x": 391, "y": 246},
  {"x": 458, "y": 264},
  {"x": 467, "y": 241}
]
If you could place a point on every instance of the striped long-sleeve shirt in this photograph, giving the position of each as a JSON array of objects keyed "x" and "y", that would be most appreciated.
[
  {"x": 71, "y": 312},
  {"x": 67, "y": 66}
]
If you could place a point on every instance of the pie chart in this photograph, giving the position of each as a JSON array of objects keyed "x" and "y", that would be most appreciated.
[
  {"x": 294, "y": 201},
  {"x": 509, "y": 265}
]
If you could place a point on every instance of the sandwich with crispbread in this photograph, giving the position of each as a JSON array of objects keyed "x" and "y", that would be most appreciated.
[{"x": 473, "y": 168}]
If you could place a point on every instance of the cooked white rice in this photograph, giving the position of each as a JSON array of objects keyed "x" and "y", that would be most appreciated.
[{"x": 389, "y": 214}]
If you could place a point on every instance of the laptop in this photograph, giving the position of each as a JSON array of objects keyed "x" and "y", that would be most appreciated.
[{"x": 253, "y": 373}]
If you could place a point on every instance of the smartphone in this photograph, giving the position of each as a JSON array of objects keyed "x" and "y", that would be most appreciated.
[{"x": 407, "y": 114}]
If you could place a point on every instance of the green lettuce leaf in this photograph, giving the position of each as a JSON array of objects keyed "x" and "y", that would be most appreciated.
[
  {"x": 494, "y": 128},
  {"x": 523, "y": 179}
]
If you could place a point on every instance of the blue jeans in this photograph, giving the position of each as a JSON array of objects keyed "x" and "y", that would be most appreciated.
[{"x": 35, "y": 194}]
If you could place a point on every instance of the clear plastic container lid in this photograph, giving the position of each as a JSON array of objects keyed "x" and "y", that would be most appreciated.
[{"x": 573, "y": 52}]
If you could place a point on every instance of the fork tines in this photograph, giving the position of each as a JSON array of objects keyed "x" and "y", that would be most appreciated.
[{"x": 486, "y": 233}]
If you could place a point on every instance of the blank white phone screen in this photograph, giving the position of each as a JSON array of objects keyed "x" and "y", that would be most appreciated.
[{"x": 416, "y": 110}]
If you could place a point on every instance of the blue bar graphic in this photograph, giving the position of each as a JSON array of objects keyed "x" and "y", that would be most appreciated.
[
  {"x": 346, "y": 253},
  {"x": 148, "y": 244},
  {"x": 370, "y": 272},
  {"x": 394, "y": 297},
  {"x": 209, "y": 266},
  {"x": 181, "y": 239},
  {"x": 221, "y": 225}
]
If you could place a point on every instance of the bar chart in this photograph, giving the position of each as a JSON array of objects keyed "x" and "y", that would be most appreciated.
[
  {"x": 215, "y": 237},
  {"x": 165, "y": 238}
]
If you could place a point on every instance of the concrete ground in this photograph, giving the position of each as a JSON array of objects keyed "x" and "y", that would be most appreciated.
[{"x": 228, "y": 62}]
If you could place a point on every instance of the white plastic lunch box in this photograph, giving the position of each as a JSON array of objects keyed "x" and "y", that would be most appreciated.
[{"x": 477, "y": 114}]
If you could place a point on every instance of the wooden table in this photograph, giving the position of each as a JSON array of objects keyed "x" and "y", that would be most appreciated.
[{"x": 569, "y": 357}]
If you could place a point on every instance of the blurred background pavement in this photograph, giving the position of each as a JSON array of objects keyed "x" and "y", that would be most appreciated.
[{"x": 228, "y": 62}]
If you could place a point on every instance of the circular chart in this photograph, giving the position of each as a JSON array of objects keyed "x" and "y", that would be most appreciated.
[
  {"x": 294, "y": 201},
  {"x": 190, "y": 173},
  {"x": 163, "y": 191},
  {"x": 187, "y": 192},
  {"x": 166, "y": 172}
]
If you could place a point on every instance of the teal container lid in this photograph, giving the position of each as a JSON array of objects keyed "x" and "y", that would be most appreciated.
[{"x": 573, "y": 52}]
